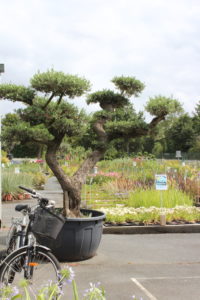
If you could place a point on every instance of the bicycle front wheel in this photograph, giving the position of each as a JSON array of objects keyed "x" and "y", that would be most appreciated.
[
  {"x": 38, "y": 266},
  {"x": 12, "y": 239}
]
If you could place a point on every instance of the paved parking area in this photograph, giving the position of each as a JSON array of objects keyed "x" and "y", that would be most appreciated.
[
  {"x": 151, "y": 266},
  {"x": 154, "y": 267}
]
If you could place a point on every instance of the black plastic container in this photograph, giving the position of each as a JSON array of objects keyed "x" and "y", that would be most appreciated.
[{"x": 78, "y": 239}]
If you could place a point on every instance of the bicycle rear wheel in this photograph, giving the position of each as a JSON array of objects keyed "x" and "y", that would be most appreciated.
[{"x": 38, "y": 265}]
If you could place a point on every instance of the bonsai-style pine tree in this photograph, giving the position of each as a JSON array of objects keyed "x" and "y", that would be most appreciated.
[{"x": 48, "y": 117}]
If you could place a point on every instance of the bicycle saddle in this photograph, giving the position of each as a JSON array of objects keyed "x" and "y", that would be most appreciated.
[{"x": 20, "y": 207}]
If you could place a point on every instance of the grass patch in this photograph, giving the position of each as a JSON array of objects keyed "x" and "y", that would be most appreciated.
[{"x": 167, "y": 199}]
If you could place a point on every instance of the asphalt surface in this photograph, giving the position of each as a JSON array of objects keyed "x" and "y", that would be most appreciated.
[
  {"x": 155, "y": 267},
  {"x": 151, "y": 266}
]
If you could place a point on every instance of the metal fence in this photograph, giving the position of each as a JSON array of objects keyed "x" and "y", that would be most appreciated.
[{"x": 182, "y": 156}]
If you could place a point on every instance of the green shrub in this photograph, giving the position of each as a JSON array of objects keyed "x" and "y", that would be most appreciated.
[
  {"x": 70, "y": 169},
  {"x": 101, "y": 177},
  {"x": 152, "y": 197},
  {"x": 26, "y": 167},
  {"x": 39, "y": 180},
  {"x": 98, "y": 179}
]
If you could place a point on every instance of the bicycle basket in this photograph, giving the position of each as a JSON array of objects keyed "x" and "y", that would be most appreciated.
[{"x": 46, "y": 223}]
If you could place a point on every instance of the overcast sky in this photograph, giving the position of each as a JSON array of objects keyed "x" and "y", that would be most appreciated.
[{"x": 156, "y": 41}]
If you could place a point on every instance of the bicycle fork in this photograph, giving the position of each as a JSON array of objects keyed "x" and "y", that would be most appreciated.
[{"x": 30, "y": 263}]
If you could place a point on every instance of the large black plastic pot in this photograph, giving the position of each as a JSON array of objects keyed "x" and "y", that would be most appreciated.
[{"x": 78, "y": 239}]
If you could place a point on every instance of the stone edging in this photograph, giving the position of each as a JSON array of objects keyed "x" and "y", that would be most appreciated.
[{"x": 188, "y": 228}]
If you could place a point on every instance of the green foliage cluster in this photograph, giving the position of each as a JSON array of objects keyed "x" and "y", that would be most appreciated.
[
  {"x": 107, "y": 97},
  {"x": 29, "y": 150},
  {"x": 181, "y": 134},
  {"x": 4, "y": 159},
  {"x": 99, "y": 178},
  {"x": 43, "y": 118},
  {"x": 17, "y": 93},
  {"x": 135, "y": 165},
  {"x": 123, "y": 122},
  {"x": 129, "y": 86},
  {"x": 51, "y": 115},
  {"x": 70, "y": 170},
  {"x": 27, "y": 167},
  {"x": 161, "y": 106},
  {"x": 39, "y": 179},
  {"x": 60, "y": 84}
]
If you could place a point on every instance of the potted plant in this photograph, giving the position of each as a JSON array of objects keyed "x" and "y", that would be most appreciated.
[
  {"x": 20, "y": 196},
  {"x": 49, "y": 119},
  {"x": 7, "y": 197}
]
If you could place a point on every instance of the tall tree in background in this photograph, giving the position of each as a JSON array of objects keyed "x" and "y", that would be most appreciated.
[
  {"x": 196, "y": 127},
  {"x": 196, "y": 119},
  {"x": 48, "y": 119},
  {"x": 181, "y": 135}
]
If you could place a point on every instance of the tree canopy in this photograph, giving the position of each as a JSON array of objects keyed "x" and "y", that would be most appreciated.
[{"x": 49, "y": 117}]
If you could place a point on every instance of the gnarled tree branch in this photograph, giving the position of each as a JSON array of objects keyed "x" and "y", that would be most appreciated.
[
  {"x": 60, "y": 99},
  {"x": 50, "y": 98}
]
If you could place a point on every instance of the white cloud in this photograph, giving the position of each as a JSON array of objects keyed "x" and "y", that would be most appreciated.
[{"x": 155, "y": 40}]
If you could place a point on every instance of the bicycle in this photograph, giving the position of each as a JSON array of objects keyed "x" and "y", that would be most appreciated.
[
  {"x": 20, "y": 227},
  {"x": 26, "y": 258}
]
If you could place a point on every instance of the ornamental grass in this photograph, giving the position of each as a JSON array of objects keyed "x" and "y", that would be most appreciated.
[{"x": 151, "y": 197}]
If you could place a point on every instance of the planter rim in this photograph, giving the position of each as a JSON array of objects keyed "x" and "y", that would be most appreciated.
[{"x": 96, "y": 216}]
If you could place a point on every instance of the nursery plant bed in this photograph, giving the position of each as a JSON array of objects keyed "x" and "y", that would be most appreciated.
[{"x": 150, "y": 229}]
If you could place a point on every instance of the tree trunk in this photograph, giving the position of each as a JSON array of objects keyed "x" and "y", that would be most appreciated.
[
  {"x": 40, "y": 151},
  {"x": 71, "y": 186},
  {"x": 65, "y": 181},
  {"x": 71, "y": 201}
]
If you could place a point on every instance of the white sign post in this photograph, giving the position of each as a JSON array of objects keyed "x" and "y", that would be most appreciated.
[
  {"x": 95, "y": 170},
  {"x": 161, "y": 185},
  {"x": 161, "y": 182},
  {"x": 17, "y": 170},
  {"x": 178, "y": 154}
]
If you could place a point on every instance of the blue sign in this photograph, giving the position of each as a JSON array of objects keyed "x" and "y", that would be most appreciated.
[{"x": 161, "y": 182}]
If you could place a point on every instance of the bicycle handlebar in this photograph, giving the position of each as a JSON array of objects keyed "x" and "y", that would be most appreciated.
[
  {"x": 42, "y": 201},
  {"x": 28, "y": 190}
]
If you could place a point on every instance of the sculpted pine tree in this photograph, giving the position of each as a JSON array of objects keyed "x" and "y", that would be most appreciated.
[{"x": 48, "y": 119}]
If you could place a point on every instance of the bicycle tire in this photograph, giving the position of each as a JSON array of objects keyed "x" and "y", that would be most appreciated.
[
  {"x": 3, "y": 254},
  {"x": 44, "y": 267},
  {"x": 12, "y": 239}
]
